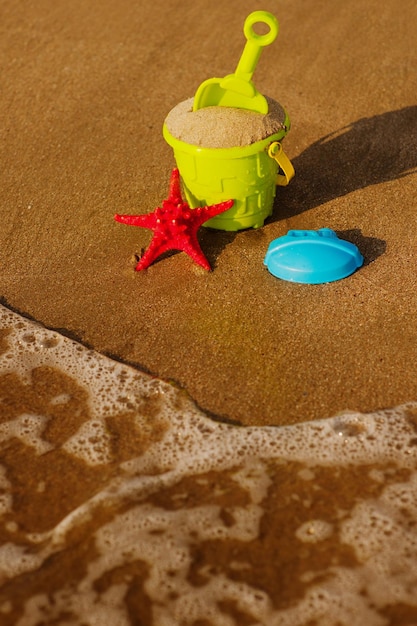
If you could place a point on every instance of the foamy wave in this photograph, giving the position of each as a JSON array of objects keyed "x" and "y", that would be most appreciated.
[{"x": 122, "y": 503}]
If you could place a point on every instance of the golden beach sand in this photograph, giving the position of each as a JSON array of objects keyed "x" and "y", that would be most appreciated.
[{"x": 270, "y": 533}]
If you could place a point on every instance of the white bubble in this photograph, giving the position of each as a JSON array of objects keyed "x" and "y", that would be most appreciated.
[
  {"x": 314, "y": 531},
  {"x": 28, "y": 428},
  {"x": 90, "y": 443}
]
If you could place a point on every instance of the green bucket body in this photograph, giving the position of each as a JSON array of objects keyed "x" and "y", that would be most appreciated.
[{"x": 245, "y": 174}]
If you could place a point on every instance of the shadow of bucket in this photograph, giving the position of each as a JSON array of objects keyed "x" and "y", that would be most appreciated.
[{"x": 248, "y": 175}]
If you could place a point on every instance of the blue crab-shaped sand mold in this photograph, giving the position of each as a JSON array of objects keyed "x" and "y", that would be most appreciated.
[{"x": 312, "y": 257}]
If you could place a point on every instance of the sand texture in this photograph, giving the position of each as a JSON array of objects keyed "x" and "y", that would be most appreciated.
[
  {"x": 86, "y": 87},
  {"x": 122, "y": 502},
  {"x": 224, "y": 127}
]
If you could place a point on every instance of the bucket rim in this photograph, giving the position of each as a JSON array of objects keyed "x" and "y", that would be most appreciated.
[{"x": 236, "y": 152}]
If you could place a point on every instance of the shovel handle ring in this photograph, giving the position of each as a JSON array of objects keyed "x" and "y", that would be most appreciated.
[
  {"x": 261, "y": 17},
  {"x": 255, "y": 42}
]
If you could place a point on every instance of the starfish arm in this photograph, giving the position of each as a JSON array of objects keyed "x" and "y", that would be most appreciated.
[
  {"x": 207, "y": 212},
  {"x": 157, "y": 247},
  {"x": 144, "y": 221},
  {"x": 193, "y": 249},
  {"x": 221, "y": 207},
  {"x": 175, "y": 188}
]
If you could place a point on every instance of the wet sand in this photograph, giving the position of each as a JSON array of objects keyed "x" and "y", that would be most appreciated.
[
  {"x": 123, "y": 504},
  {"x": 143, "y": 509},
  {"x": 85, "y": 90}
]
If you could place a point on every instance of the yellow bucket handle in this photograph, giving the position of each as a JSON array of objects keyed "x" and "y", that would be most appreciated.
[{"x": 276, "y": 152}]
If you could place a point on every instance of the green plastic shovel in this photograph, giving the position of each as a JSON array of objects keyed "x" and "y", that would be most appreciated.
[{"x": 237, "y": 90}]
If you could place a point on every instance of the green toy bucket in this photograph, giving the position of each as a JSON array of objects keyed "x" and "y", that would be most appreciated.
[{"x": 247, "y": 174}]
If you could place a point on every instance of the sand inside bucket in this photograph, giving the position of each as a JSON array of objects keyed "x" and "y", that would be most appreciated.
[{"x": 223, "y": 127}]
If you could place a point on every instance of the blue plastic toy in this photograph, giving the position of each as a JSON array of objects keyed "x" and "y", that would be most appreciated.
[{"x": 312, "y": 257}]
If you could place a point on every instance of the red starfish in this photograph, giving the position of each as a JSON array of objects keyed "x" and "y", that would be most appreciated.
[{"x": 174, "y": 225}]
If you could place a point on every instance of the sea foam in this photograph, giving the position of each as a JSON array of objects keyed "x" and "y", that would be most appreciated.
[{"x": 123, "y": 503}]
